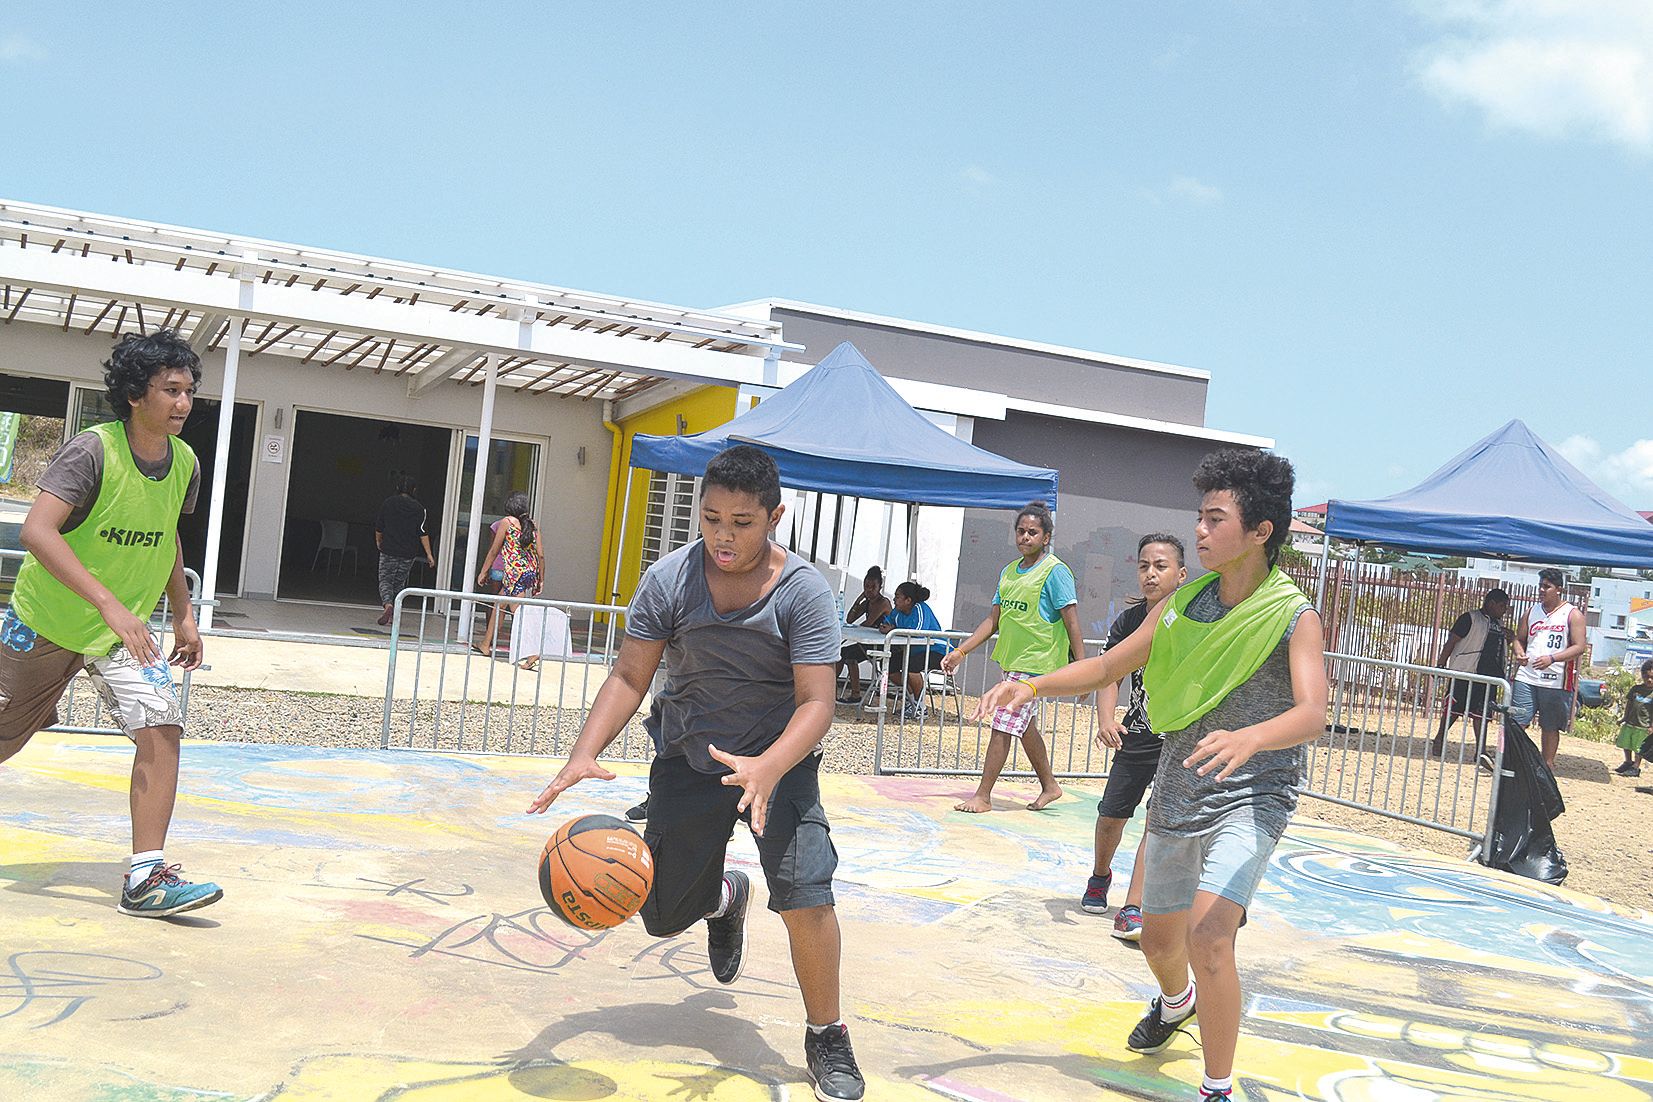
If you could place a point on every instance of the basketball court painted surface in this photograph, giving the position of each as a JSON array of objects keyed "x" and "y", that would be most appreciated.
[{"x": 382, "y": 937}]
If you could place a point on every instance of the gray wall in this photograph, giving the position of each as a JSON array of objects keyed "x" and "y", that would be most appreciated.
[
  {"x": 1019, "y": 373},
  {"x": 1116, "y": 486}
]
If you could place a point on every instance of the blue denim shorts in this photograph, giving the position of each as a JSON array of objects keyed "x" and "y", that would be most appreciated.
[
  {"x": 1228, "y": 860},
  {"x": 1554, "y": 707}
]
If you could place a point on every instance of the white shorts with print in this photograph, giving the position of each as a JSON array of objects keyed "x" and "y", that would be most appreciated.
[{"x": 136, "y": 695}]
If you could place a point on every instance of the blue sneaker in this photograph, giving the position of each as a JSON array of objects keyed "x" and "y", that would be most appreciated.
[{"x": 164, "y": 893}]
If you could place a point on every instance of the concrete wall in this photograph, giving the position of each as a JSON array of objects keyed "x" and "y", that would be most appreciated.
[
  {"x": 1038, "y": 376},
  {"x": 1116, "y": 486},
  {"x": 571, "y": 497}
]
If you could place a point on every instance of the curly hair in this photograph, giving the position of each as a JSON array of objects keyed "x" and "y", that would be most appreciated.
[
  {"x": 746, "y": 470},
  {"x": 138, "y": 358},
  {"x": 1261, "y": 483},
  {"x": 1040, "y": 512}
]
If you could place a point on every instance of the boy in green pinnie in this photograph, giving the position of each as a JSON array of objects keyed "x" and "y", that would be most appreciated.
[
  {"x": 1234, "y": 671},
  {"x": 102, "y": 542}
]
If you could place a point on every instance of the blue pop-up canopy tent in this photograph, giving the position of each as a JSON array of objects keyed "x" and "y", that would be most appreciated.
[
  {"x": 1508, "y": 495},
  {"x": 841, "y": 429}
]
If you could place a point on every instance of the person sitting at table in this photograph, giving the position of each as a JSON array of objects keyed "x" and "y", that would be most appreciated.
[
  {"x": 914, "y": 659},
  {"x": 869, "y": 608}
]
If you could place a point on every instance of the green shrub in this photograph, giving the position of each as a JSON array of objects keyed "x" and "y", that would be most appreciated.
[{"x": 1602, "y": 724}]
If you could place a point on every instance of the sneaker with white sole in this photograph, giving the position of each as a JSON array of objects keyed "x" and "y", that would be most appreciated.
[
  {"x": 1153, "y": 1032},
  {"x": 163, "y": 892},
  {"x": 1095, "y": 899},
  {"x": 832, "y": 1065},
  {"x": 726, "y": 934},
  {"x": 1127, "y": 924}
]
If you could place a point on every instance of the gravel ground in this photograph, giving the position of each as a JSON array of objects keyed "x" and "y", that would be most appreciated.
[{"x": 1605, "y": 853}]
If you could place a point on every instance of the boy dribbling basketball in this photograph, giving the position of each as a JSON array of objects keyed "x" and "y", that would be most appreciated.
[
  {"x": 750, "y": 636},
  {"x": 1234, "y": 670}
]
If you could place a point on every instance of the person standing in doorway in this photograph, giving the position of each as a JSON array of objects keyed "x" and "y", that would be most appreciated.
[
  {"x": 1552, "y": 639},
  {"x": 102, "y": 542},
  {"x": 399, "y": 533},
  {"x": 1035, "y": 601},
  {"x": 517, "y": 545}
]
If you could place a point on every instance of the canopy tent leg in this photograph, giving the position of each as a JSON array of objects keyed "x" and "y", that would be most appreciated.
[
  {"x": 479, "y": 478},
  {"x": 1353, "y": 616},
  {"x": 912, "y": 541},
  {"x": 220, "y": 472},
  {"x": 889, "y": 525},
  {"x": 1320, "y": 581}
]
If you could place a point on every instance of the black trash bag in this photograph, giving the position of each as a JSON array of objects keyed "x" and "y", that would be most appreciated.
[{"x": 1528, "y": 798}]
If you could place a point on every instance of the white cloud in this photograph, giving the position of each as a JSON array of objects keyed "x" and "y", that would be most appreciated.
[
  {"x": 16, "y": 47},
  {"x": 978, "y": 176},
  {"x": 1192, "y": 190},
  {"x": 1626, "y": 474},
  {"x": 1556, "y": 68}
]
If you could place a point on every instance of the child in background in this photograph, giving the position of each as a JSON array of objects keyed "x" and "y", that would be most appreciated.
[
  {"x": 1036, "y": 599},
  {"x": 1638, "y": 719},
  {"x": 1159, "y": 571},
  {"x": 915, "y": 659}
]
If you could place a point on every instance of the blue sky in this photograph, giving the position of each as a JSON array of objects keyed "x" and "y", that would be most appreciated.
[{"x": 1385, "y": 228}]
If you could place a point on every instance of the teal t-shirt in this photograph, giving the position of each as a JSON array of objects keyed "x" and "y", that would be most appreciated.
[{"x": 1059, "y": 592}]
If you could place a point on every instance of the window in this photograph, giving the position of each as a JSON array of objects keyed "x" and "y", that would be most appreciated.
[
  {"x": 91, "y": 408},
  {"x": 669, "y": 522}
]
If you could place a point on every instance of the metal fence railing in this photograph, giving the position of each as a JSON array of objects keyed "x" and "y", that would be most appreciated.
[
  {"x": 1378, "y": 753},
  {"x": 81, "y": 709},
  {"x": 931, "y": 731},
  {"x": 530, "y": 695},
  {"x": 1382, "y": 719}
]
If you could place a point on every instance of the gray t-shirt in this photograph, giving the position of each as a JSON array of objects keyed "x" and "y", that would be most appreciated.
[
  {"x": 1264, "y": 789},
  {"x": 75, "y": 475},
  {"x": 729, "y": 677}
]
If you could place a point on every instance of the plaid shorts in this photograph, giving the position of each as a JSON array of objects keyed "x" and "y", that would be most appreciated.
[{"x": 1015, "y": 721}]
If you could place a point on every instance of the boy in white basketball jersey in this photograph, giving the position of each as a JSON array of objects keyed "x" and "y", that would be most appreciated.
[{"x": 1551, "y": 637}]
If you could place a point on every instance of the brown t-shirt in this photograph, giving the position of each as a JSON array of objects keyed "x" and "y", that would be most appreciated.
[{"x": 75, "y": 475}]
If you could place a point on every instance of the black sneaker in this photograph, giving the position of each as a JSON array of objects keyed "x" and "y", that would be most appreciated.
[
  {"x": 1153, "y": 1032},
  {"x": 726, "y": 936},
  {"x": 832, "y": 1065},
  {"x": 640, "y": 813},
  {"x": 1095, "y": 899}
]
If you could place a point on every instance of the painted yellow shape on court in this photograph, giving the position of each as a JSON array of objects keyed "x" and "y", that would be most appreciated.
[{"x": 365, "y": 1078}]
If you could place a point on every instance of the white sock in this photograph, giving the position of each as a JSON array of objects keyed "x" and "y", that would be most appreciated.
[
  {"x": 824, "y": 1028},
  {"x": 1225, "y": 1085},
  {"x": 1174, "y": 1008},
  {"x": 726, "y": 896},
  {"x": 142, "y": 865}
]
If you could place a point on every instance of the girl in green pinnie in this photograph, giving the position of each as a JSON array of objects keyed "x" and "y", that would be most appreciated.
[{"x": 1036, "y": 613}]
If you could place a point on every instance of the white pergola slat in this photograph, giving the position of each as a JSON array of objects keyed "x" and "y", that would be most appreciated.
[{"x": 325, "y": 310}]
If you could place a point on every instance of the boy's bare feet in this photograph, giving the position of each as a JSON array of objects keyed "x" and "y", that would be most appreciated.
[
  {"x": 1047, "y": 796},
  {"x": 975, "y": 805}
]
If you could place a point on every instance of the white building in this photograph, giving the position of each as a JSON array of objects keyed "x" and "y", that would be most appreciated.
[{"x": 326, "y": 375}]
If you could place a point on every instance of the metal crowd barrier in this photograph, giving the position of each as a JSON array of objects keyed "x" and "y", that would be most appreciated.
[
  {"x": 440, "y": 694},
  {"x": 73, "y": 702},
  {"x": 1376, "y": 755},
  {"x": 938, "y": 737}
]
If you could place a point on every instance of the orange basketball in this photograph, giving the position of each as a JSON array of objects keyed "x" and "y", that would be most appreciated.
[{"x": 595, "y": 872}]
